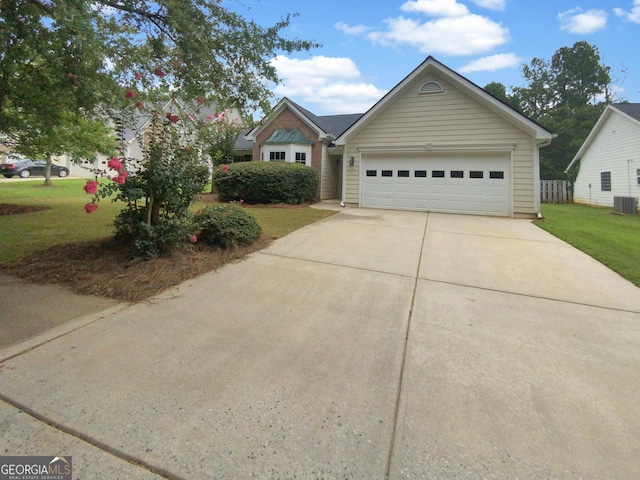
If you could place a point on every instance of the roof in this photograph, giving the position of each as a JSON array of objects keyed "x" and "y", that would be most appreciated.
[
  {"x": 327, "y": 126},
  {"x": 478, "y": 93},
  {"x": 631, "y": 109},
  {"x": 242, "y": 143},
  {"x": 628, "y": 110},
  {"x": 288, "y": 135}
]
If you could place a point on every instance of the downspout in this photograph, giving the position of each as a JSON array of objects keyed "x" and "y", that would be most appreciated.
[{"x": 344, "y": 176}]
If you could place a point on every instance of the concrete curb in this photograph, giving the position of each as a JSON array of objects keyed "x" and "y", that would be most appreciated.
[{"x": 57, "y": 332}]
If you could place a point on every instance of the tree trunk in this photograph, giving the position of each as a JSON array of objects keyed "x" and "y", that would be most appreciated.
[{"x": 47, "y": 172}]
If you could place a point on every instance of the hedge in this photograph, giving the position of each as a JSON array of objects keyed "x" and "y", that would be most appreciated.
[{"x": 266, "y": 182}]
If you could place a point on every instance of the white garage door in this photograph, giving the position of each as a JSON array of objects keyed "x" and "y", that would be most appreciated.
[{"x": 479, "y": 184}]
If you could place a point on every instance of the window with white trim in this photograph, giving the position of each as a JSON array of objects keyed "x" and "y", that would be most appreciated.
[
  {"x": 605, "y": 181},
  {"x": 301, "y": 157},
  {"x": 277, "y": 156}
]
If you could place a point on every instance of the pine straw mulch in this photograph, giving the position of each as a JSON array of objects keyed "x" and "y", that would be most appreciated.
[{"x": 102, "y": 268}]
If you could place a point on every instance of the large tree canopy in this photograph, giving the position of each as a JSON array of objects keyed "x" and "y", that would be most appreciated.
[
  {"x": 566, "y": 95},
  {"x": 60, "y": 60}
]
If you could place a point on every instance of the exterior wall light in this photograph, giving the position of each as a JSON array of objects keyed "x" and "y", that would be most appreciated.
[{"x": 352, "y": 161}]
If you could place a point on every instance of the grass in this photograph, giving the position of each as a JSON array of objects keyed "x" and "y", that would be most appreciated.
[
  {"x": 66, "y": 246},
  {"x": 67, "y": 222},
  {"x": 613, "y": 240}
]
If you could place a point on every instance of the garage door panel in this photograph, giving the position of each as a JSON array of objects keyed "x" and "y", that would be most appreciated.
[{"x": 477, "y": 186}]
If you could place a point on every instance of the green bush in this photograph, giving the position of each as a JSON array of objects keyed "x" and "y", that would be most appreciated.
[
  {"x": 266, "y": 182},
  {"x": 226, "y": 225}
]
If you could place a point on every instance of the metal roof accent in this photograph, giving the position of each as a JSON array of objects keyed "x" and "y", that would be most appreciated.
[{"x": 288, "y": 135}]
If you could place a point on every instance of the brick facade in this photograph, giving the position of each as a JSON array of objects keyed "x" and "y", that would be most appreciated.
[{"x": 286, "y": 120}]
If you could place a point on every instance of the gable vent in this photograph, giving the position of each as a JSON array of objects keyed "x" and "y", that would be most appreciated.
[{"x": 431, "y": 87}]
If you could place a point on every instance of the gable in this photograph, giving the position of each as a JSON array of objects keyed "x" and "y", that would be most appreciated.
[
  {"x": 449, "y": 116},
  {"x": 616, "y": 119},
  {"x": 431, "y": 74}
]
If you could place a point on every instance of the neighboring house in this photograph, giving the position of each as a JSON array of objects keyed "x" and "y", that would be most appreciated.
[
  {"x": 135, "y": 135},
  {"x": 609, "y": 159},
  {"x": 436, "y": 142}
]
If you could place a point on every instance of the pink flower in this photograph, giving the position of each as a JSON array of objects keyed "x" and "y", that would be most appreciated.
[
  {"x": 137, "y": 76},
  {"x": 200, "y": 100},
  {"x": 139, "y": 105},
  {"x": 91, "y": 187},
  {"x": 198, "y": 212},
  {"x": 209, "y": 117},
  {"x": 172, "y": 117},
  {"x": 158, "y": 71},
  {"x": 90, "y": 207},
  {"x": 114, "y": 164},
  {"x": 130, "y": 94},
  {"x": 121, "y": 178},
  {"x": 225, "y": 168},
  {"x": 241, "y": 201},
  {"x": 193, "y": 239}
]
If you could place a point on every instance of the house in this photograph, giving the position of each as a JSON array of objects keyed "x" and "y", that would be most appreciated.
[
  {"x": 135, "y": 131},
  {"x": 436, "y": 142},
  {"x": 609, "y": 159}
]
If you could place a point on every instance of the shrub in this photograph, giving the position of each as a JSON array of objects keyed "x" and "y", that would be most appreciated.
[
  {"x": 226, "y": 225},
  {"x": 265, "y": 182}
]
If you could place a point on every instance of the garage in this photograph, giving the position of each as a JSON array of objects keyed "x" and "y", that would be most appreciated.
[{"x": 469, "y": 183}]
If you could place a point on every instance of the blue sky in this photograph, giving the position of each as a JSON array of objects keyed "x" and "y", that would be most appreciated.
[{"x": 368, "y": 47}]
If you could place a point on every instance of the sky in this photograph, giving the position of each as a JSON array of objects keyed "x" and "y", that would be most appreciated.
[{"x": 368, "y": 47}]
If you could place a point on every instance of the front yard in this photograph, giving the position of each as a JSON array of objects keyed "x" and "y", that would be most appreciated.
[
  {"x": 65, "y": 245},
  {"x": 613, "y": 240}
]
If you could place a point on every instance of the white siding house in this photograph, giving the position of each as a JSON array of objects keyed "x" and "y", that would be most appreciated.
[{"x": 609, "y": 159}]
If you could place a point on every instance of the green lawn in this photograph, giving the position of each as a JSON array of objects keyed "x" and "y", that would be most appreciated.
[
  {"x": 611, "y": 239},
  {"x": 67, "y": 222}
]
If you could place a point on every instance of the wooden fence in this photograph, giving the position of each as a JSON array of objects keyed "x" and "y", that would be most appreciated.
[{"x": 555, "y": 191}]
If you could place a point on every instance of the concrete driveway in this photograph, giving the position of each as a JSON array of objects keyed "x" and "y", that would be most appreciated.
[{"x": 372, "y": 345}]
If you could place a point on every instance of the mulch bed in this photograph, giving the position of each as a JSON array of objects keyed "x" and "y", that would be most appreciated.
[{"x": 102, "y": 267}]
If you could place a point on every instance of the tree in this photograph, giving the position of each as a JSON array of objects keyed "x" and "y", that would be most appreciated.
[
  {"x": 61, "y": 60},
  {"x": 565, "y": 95},
  {"x": 499, "y": 91}
]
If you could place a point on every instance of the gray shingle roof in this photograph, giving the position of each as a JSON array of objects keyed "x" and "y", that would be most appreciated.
[
  {"x": 332, "y": 124},
  {"x": 631, "y": 109}
]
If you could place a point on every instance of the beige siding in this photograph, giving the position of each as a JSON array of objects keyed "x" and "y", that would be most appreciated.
[
  {"x": 330, "y": 176},
  {"x": 450, "y": 118},
  {"x": 617, "y": 142}
]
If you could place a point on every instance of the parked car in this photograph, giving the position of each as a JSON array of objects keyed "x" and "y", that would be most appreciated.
[{"x": 26, "y": 168}]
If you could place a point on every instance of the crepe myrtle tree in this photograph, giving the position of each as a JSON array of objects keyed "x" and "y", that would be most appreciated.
[
  {"x": 63, "y": 62},
  {"x": 156, "y": 196}
]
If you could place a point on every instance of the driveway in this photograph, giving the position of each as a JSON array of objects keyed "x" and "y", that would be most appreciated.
[{"x": 372, "y": 344}]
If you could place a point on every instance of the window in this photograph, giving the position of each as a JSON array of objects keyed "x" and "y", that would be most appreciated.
[
  {"x": 496, "y": 174},
  {"x": 457, "y": 174},
  {"x": 476, "y": 174},
  {"x": 605, "y": 181},
  {"x": 301, "y": 157},
  {"x": 276, "y": 156},
  {"x": 638, "y": 175},
  {"x": 420, "y": 173},
  {"x": 403, "y": 173},
  {"x": 372, "y": 173},
  {"x": 387, "y": 173},
  {"x": 437, "y": 174}
]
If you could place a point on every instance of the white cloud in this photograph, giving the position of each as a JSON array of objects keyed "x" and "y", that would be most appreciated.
[
  {"x": 583, "y": 22},
  {"x": 466, "y": 35},
  {"x": 493, "y": 63},
  {"x": 436, "y": 8},
  {"x": 352, "y": 29},
  {"x": 491, "y": 4},
  {"x": 334, "y": 84},
  {"x": 633, "y": 15}
]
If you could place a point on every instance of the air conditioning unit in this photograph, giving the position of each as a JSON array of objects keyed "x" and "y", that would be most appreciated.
[{"x": 625, "y": 204}]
